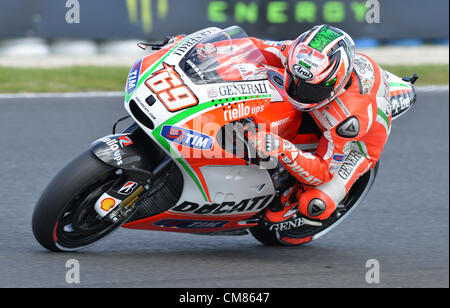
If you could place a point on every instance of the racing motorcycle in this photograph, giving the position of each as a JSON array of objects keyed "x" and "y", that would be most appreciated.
[{"x": 184, "y": 164}]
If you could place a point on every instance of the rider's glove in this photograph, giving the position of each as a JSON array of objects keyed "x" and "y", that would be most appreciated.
[{"x": 266, "y": 144}]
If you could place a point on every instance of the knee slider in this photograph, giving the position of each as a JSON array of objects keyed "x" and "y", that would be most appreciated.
[
  {"x": 316, "y": 204},
  {"x": 316, "y": 207}
]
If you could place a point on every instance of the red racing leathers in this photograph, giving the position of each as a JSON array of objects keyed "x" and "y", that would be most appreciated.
[{"x": 355, "y": 127}]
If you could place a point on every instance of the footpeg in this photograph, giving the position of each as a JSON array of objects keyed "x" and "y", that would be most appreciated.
[{"x": 275, "y": 205}]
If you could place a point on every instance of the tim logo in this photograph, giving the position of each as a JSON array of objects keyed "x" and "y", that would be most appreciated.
[
  {"x": 190, "y": 224},
  {"x": 133, "y": 76},
  {"x": 187, "y": 137}
]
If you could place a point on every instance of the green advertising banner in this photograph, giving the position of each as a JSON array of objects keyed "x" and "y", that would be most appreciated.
[{"x": 154, "y": 19}]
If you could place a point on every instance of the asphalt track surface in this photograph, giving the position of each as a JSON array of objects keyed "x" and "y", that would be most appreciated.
[{"x": 403, "y": 223}]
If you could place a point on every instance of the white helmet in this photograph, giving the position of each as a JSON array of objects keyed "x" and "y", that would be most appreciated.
[{"x": 319, "y": 65}]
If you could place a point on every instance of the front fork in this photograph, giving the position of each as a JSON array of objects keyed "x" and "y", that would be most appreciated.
[
  {"x": 119, "y": 200},
  {"x": 138, "y": 162}
]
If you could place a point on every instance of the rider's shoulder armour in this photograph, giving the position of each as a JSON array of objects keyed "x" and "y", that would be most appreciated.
[{"x": 349, "y": 128}]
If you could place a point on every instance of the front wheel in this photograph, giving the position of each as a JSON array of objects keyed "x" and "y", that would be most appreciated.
[{"x": 64, "y": 218}]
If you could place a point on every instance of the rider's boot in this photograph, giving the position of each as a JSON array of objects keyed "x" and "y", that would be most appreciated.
[
  {"x": 288, "y": 208},
  {"x": 312, "y": 203}
]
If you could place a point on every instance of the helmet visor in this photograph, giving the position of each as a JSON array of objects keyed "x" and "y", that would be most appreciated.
[{"x": 308, "y": 93}]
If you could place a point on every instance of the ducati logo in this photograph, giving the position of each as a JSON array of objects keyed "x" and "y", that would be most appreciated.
[{"x": 224, "y": 208}]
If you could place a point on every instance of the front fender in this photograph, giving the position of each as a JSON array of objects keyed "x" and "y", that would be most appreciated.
[{"x": 132, "y": 149}]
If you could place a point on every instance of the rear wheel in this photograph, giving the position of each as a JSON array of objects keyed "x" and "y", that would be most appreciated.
[
  {"x": 307, "y": 233},
  {"x": 64, "y": 218}
]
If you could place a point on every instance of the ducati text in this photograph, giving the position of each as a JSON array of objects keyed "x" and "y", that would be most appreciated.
[{"x": 224, "y": 208}]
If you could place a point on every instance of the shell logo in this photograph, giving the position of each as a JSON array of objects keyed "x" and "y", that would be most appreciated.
[{"x": 107, "y": 204}]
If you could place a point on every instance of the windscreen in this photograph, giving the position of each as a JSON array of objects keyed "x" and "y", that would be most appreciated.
[{"x": 221, "y": 57}]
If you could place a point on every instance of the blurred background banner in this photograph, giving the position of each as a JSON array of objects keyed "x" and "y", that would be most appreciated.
[
  {"x": 154, "y": 19},
  {"x": 18, "y": 17}
]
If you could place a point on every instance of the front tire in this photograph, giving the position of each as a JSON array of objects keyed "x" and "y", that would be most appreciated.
[{"x": 64, "y": 218}]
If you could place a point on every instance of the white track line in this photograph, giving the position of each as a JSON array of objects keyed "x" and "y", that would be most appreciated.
[
  {"x": 62, "y": 95},
  {"x": 429, "y": 89}
]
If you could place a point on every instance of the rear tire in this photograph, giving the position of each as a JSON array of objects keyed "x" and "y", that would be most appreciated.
[
  {"x": 64, "y": 218},
  {"x": 265, "y": 236},
  {"x": 307, "y": 233}
]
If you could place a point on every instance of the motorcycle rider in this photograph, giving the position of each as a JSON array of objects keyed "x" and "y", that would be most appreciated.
[{"x": 347, "y": 95}]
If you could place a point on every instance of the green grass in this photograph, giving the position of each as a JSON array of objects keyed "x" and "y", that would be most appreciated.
[
  {"x": 435, "y": 74},
  {"x": 84, "y": 79},
  {"x": 71, "y": 79}
]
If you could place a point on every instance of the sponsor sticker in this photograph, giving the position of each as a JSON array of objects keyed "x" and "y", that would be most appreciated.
[
  {"x": 295, "y": 167},
  {"x": 242, "y": 88},
  {"x": 127, "y": 188},
  {"x": 280, "y": 122},
  {"x": 190, "y": 224},
  {"x": 192, "y": 40},
  {"x": 309, "y": 51},
  {"x": 225, "y": 208},
  {"x": 113, "y": 145},
  {"x": 339, "y": 157},
  {"x": 333, "y": 167},
  {"x": 212, "y": 92},
  {"x": 347, "y": 147},
  {"x": 276, "y": 43},
  {"x": 349, "y": 164},
  {"x": 283, "y": 226},
  {"x": 187, "y": 137},
  {"x": 107, "y": 204},
  {"x": 240, "y": 111},
  {"x": 125, "y": 141},
  {"x": 302, "y": 72},
  {"x": 196, "y": 69},
  {"x": 133, "y": 77},
  {"x": 250, "y": 71},
  {"x": 293, "y": 223},
  {"x": 399, "y": 103}
]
